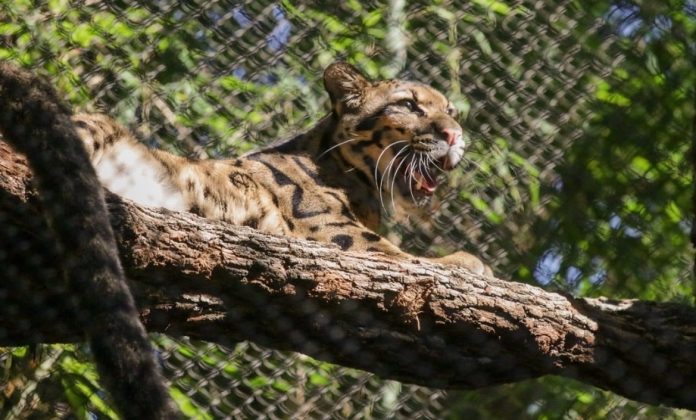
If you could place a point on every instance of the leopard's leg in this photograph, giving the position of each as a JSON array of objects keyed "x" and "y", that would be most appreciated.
[
  {"x": 356, "y": 237},
  {"x": 464, "y": 259}
]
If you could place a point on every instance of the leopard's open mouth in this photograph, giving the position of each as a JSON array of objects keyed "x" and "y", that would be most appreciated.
[
  {"x": 421, "y": 176},
  {"x": 424, "y": 183},
  {"x": 416, "y": 170}
]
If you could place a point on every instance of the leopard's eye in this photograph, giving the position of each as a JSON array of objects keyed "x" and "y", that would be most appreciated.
[{"x": 410, "y": 104}]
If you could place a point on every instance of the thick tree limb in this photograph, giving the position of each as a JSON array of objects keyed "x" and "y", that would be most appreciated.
[{"x": 407, "y": 320}]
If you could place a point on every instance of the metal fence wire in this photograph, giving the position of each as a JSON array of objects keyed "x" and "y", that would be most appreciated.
[{"x": 218, "y": 78}]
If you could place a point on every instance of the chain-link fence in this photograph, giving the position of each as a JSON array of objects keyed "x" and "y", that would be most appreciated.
[{"x": 567, "y": 105}]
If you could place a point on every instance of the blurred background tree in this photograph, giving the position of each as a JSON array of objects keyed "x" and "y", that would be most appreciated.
[{"x": 580, "y": 116}]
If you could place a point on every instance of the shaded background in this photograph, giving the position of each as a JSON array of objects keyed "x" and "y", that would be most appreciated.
[{"x": 578, "y": 179}]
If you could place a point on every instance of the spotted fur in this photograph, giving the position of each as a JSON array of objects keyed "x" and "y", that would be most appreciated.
[{"x": 383, "y": 146}]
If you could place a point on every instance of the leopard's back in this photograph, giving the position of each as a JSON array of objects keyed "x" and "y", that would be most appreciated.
[{"x": 251, "y": 191}]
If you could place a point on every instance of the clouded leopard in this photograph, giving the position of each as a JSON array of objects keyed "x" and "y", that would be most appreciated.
[{"x": 384, "y": 140}]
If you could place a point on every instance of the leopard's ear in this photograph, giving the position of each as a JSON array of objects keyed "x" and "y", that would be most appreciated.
[{"x": 346, "y": 86}]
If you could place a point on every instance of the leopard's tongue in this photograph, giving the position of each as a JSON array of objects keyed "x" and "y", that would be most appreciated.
[{"x": 423, "y": 183}]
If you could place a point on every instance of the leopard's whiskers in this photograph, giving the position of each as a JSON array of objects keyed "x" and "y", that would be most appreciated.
[
  {"x": 411, "y": 178},
  {"x": 335, "y": 146},
  {"x": 380, "y": 157},
  {"x": 472, "y": 162},
  {"x": 386, "y": 176},
  {"x": 396, "y": 173},
  {"x": 423, "y": 167},
  {"x": 431, "y": 162}
]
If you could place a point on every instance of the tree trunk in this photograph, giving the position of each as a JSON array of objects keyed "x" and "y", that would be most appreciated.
[{"x": 407, "y": 320}]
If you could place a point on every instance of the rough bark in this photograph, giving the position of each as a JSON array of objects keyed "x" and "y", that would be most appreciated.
[{"x": 408, "y": 320}]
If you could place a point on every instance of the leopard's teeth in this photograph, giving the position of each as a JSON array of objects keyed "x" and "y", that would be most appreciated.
[{"x": 419, "y": 181}]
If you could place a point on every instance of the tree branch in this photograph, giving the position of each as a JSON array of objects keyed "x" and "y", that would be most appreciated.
[{"x": 407, "y": 320}]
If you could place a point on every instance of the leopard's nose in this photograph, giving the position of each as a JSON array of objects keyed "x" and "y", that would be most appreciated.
[{"x": 452, "y": 135}]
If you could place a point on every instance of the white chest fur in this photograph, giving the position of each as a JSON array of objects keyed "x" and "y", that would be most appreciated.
[{"x": 132, "y": 172}]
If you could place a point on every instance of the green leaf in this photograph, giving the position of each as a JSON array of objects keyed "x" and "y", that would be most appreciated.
[
  {"x": 641, "y": 165},
  {"x": 496, "y": 6},
  {"x": 372, "y": 18},
  {"x": 232, "y": 83},
  {"x": 282, "y": 385},
  {"x": 9, "y": 28},
  {"x": 83, "y": 34},
  {"x": 258, "y": 382},
  {"x": 318, "y": 379},
  {"x": 482, "y": 42},
  {"x": 673, "y": 212},
  {"x": 188, "y": 408},
  {"x": 585, "y": 397},
  {"x": 605, "y": 94}
]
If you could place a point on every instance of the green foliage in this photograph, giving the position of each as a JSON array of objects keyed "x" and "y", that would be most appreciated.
[
  {"x": 572, "y": 400},
  {"x": 624, "y": 206},
  {"x": 39, "y": 374}
]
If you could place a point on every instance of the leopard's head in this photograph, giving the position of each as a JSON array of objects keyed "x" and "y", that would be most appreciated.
[{"x": 403, "y": 135}]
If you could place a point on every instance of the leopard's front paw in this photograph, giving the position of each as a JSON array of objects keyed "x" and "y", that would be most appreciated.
[{"x": 466, "y": 260}]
